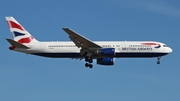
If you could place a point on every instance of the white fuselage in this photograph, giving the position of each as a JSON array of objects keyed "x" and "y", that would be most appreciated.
[{"x": 122, "y": 49}]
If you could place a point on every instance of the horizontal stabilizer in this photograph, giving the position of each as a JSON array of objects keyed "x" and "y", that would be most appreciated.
[{"x": 16, "y": 44}]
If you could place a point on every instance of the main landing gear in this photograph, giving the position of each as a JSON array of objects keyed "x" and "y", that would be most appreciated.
[
  {"x": 88, "y": 65},
  {"x": 159, "y": 58},
  {"x": 89, "y": 61}
]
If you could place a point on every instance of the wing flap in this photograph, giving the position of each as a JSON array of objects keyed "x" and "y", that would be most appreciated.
[{"x": 77, "y": 43}]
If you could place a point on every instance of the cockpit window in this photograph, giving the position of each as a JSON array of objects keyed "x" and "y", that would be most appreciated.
[{"x": 164, "y": 45}]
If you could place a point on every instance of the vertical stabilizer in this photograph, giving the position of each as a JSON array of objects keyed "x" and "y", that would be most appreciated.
[{"x": 19, "y": 33}]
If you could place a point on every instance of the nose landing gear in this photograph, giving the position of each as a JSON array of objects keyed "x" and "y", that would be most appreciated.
[{"x": 158, "y": 62}]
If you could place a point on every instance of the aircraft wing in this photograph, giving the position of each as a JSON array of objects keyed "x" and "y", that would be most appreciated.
[{"x": 80, "y": 41}]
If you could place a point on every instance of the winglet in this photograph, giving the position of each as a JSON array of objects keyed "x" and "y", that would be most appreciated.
[{"x": 16, "y": 44}]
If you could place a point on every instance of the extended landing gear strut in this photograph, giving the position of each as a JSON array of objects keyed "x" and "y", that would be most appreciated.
[
  {"x": 159, "y": 58},
  {"x": 89, "y": 60}
]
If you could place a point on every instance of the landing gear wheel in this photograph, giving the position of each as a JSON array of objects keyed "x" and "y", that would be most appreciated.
[
  {"x": 90, "y": 60},
  {"x": 86, "y": 59},
  {"x": 90, "y": 66},
  {"x": 159, "y": 58},
  {"x": 86, "y": 64},
  {"x": 158, "y": 62}
]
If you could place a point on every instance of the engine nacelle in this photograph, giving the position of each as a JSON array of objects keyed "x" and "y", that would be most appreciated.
[
  {"x": 106, "y": 52},
  {"x": 105, "y": 61}
]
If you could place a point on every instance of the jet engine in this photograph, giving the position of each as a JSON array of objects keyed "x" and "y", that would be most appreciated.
[
  {"x": 105, "y": 61},
  {"x": 106, "y": 52}
]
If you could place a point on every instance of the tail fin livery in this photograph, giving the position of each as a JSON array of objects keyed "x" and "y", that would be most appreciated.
[{"x": 19, "y": 33}]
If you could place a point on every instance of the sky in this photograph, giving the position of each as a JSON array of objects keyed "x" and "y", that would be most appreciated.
[{"x": 31, "y": 78}]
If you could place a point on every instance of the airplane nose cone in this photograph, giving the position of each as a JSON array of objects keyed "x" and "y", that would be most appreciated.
[{"x": 169, "y": 50}]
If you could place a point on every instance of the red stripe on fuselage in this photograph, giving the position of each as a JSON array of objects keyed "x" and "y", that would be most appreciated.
[
  {"x": 15, "y": 25},
  {"x": 150, "y": 44}
]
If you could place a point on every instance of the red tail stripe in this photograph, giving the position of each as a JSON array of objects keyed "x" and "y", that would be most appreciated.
[
  {"x": 26, "y": 40},
  {"x": 15, "y": 25}
]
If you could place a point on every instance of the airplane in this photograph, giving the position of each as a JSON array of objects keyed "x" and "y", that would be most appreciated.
[{"x": 80, "y": 47}]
